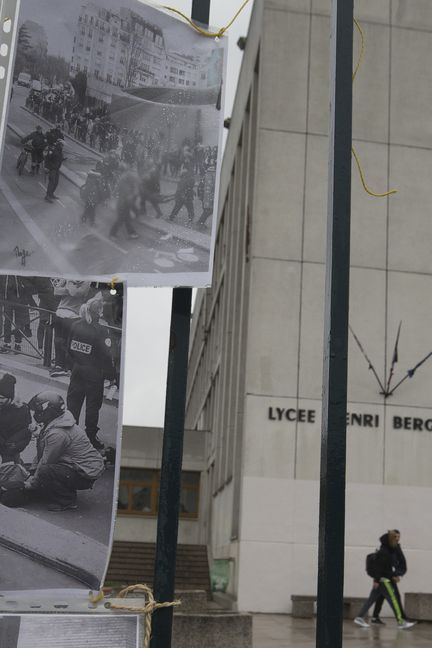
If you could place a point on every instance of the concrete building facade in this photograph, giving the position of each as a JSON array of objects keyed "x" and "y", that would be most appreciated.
[
  {"x": 255, "y": 376},
  {"x": 123, "y": 49}
]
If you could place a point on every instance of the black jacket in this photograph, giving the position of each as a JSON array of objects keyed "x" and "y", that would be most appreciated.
[{"x": 390, "y": 560}]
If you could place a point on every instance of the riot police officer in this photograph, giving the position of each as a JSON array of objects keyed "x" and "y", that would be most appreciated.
[{"x": 89, "y": 347}]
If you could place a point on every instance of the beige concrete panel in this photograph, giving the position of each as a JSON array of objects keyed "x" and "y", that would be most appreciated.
[
  {"x": 408, "y": 451},
  {"x": 365, "y": 443},
  {"x": 369, "y": 214},
  {"x": 306, "y": 511},
  {"x": 367, "y": 319},
  {"x": 288, "y": 5},
  {"x": 412, "y": 13},
  {"x": 269, "y": 437},
  {"x": 312, "y": 331},
  {"x": 267, "y": 510},
  {"x": 316, "y": 199},
  {"x": 374, "y": 10},
  {"x": 409, "y": 300},
  {"x": 411, "y": 93},
  {"x": 410, "y": 223},
  {"x": 273, "y": 335},
  {"x": 412, "y": 507},
  {"x": 305, "y": 567},
  {"x": 371, "y": 85},
  {"x": 278, "y": 218},
  {"x": 365, "y": 502},
  {"x": 284, "y": 65},
  {"x": 319, "y": 89},
  {"x": 308, "y": 446},
  {"x": 265, "y": 567}
]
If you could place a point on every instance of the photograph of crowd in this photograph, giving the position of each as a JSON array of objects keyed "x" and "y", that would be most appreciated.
[
  {"x": 69, "y": 631},
  {"x": 60, "y": 381},
  {"x": 112, "y": 147}
]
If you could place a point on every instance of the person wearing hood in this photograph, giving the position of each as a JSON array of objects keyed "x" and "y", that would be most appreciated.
[
  {"x": 65, "y": 460},
  {"x": 399, "y": 570},
  {"x": 15, "y": 421},
  {"x": 90, "y": 350},
  {"x": 384, "y": 581}
]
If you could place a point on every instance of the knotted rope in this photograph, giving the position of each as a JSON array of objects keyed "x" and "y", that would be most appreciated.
[{"x": 150, "y": 606}]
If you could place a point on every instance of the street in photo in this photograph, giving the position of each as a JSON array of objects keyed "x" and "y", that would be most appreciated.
[
  {"x": 60, "y": 389},
  {"x": 65, "y": 631},
  {"x": 112, "y": 146}
]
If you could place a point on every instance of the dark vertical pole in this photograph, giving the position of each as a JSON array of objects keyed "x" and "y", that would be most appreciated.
[
  {"x": 333, "y": 441},
  {"x": 172, "y": 453},
  {"x": 9, "y": 631}
]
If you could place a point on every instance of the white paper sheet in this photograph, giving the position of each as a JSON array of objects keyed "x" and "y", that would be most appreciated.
[{"x": 138, "y": 97}]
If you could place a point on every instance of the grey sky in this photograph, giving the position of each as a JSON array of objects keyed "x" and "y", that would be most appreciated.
[{"x": 148, "y": 313}]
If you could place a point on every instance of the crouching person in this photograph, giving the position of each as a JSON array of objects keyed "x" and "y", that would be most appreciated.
[
  {"x": 66, "y": 461},
  {"x": 15, "y": 420}
]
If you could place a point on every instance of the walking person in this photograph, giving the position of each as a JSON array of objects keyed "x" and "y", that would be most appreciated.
[
  {"x": 38, "y": 143},
  {"x": 53, "y": 161},
  {"x": 399, "y": 570},
  {"x": 185, "y": 192},
  {"x": 127, "y": 202},
  {"x": 384, "y": 581}
]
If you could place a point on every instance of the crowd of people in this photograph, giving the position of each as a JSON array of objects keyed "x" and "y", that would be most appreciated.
[
  {"x": 85, "y": 321},
  {"x": 132, "y": 166}
]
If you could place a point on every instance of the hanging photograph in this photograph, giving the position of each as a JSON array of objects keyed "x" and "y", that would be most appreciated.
[
  {"x": 112, "y": 146},
  {"x": 69, "y": 631},
  {"x": 60, "y": 422}
]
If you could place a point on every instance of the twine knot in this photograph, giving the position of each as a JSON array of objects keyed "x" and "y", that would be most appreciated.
[{"x": 147, "y": 609}]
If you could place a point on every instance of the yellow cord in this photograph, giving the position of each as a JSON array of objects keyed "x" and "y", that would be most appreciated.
[
  {"x": 356, "y": 157},
  {"x": 199, "y": 29},
  {"x": 362, "y": 49},
  {"x": 363, "y": 181},
  {"x": 94, "y": 599}
]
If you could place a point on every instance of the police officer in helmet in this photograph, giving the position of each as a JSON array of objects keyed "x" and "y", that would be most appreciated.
[{"x": 65, "y": 460}]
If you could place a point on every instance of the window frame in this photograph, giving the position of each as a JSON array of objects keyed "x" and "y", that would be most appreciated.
[{"x": 153, "y": 483}]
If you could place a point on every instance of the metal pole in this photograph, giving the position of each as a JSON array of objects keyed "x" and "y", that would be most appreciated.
[
  {"x": 172, "y": 453},
  {"x": 333, "y": 441},
  {"x": 9, "y": 631}
]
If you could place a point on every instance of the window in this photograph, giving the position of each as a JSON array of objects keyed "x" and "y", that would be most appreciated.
[
  {"x": 139, "y": 492},
  {"x": 182, "y": 72},
  {"x": 173, "y": 69}
]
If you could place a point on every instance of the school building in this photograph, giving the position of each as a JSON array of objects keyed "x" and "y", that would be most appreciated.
[{"x": 255, "y": 374}]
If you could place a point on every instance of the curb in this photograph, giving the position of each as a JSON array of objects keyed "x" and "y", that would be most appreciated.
[{"x": 67, "y": 552}]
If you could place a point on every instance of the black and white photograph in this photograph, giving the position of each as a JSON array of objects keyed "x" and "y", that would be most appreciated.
[
  {"x": 112, "y": 146},
  {"x": 60, "y": 422},
  {"x": 69, "y": 631}
]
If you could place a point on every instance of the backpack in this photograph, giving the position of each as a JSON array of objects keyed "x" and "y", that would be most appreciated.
[{"x": 372, "y": 564}]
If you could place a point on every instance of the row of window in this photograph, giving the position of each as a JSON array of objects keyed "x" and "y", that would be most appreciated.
[
  {"x": 139, "y": 492},
  {"x": 115, "y": 31}
]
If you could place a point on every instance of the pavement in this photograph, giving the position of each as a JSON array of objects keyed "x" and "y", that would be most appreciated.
[
  {"x": 283, "y": 631},
  {"x": 58, "y": 242}
]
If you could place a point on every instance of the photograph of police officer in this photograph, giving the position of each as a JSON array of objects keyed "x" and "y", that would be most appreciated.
[
  {"x": 66, "y": 631},
  {"x": 113, "y": 142},
  {"x": 59, "y": 427}
]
